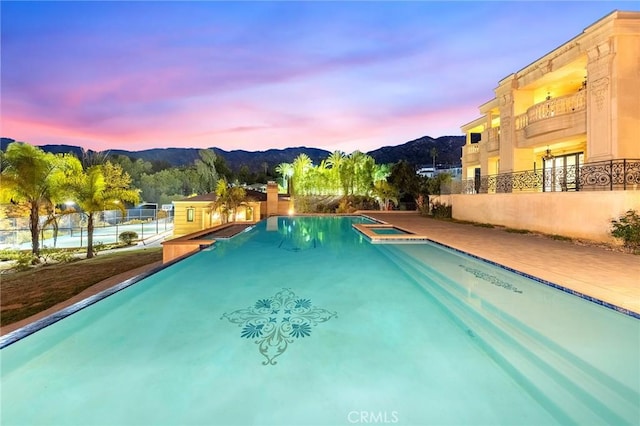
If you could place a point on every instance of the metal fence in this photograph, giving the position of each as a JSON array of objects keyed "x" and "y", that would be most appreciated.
[
  {"x": 614, "y": 175},
  {"x": 72, "y": 228}
]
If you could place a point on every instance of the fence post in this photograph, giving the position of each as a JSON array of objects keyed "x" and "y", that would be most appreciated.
[
  {"x": 624, "y": 174},
  {"x": 80, "y": 235},
  {"x": 610, "y": 175}
]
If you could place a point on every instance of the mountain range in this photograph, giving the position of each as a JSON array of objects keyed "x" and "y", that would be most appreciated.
[{"x": 416, "y": 152}]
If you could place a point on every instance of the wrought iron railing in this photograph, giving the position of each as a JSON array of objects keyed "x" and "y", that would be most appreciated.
[{"x": 613, "y": 175}]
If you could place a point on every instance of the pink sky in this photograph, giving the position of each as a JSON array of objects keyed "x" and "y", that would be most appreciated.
[{"x": 253, "y": 76}]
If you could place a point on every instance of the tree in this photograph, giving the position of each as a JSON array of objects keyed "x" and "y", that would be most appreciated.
[
  {"x": 223, "y": 168},
  {"x": 385, "y": 193},
  {"x": 206, "y": 170},
  {"x": 301, "y": 164},
  {"x": 228, "y": 199},
  {"x": 334, "y": 163},
  {"x": 35, "y": 179},
  {"x": 347, "y": 175},
  {"x": 403, "y": 176},
  {"x": 134, "y": 168},
  {"x": 102, "y": 187},
  {"x": 434, "y": 154},
  {"x": 286, "y": 171},
  {"x": 244, "y": 174}
]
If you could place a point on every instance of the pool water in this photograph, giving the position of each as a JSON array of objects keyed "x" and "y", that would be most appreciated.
[
  {"x": 388, "y": 231},
  {"x": 302, "y": 321}
]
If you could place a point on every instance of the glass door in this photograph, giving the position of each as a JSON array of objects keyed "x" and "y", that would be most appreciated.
[{"x": 561, "y": 173}]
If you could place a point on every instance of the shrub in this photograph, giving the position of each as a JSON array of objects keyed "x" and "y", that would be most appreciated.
[
  {"x": 128, "y": 237},
  {"x": 560, "y": 237},
  {"x": 422, "y": 203},
  {"x": 484, "y": 225},
  {"x": 517, "y": 231},
  {"x": 9, "y": 254},
  {"x": 50, "y": 255},
  {"x": 344, "y": 206},
  {"x": 440, "y": 210},
  {"x": 25, "y": 260},
  {"x": 627, "y": 228},
  {"x": 63, "y": 256}
]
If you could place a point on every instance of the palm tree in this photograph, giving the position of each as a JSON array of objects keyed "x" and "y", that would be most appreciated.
[
  {"x": 286, "y": 170},
  {"x": 334, "y": 163},
  {"x": 384, "y": 193},
  {"x": 381, "y": 172},
  {"x": 301, "y": 165},
  {"x": 434, "y": 154},
  {"x": 35, "y": 179},
  {"x": 228, "y": 199},
  {"x": 99, "y": 188}
]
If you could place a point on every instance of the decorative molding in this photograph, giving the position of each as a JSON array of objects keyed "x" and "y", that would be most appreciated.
[
  {"x": 505, "y": 123},
  {"x": 506, "y": 99},
  {"x": 599, "y": 90}
]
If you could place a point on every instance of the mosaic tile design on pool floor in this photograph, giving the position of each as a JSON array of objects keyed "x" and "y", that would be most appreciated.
[
  {"x": 491, "y": 278},
  {"x": 278, "y": 321}
]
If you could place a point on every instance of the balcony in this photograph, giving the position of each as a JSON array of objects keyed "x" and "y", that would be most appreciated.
[
  {"x": 471, "y": 153},
  {"x": 566, "y": 114}
]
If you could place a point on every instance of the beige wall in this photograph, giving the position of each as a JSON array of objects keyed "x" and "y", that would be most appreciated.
[
  {"x": 585, "y": 215},
  {"x": 590, "y": 91},
  {"x": 203, "y": 217},
  {"x": 200, "y": 219}
]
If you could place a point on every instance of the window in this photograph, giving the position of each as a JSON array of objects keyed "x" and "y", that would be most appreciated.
[{"x": 190, "y": 214}]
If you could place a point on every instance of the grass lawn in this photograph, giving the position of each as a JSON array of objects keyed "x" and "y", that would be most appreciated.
[{"x": 26, "y": 293}]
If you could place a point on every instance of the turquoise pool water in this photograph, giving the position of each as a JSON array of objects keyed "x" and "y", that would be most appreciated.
[
  {"x": 301, "y": 321},
  {"x": 388, "y": 231}
]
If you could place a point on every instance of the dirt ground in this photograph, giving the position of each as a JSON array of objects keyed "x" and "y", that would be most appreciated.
[{"x": 51, "y": 287}]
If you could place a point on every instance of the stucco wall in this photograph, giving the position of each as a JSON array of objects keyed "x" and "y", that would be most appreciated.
[
  {"x": 585, "y": 215},
  {"x": 180, "y": 224}
]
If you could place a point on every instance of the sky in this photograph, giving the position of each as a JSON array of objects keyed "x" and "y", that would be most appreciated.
[{"x": 259, "y": 75}]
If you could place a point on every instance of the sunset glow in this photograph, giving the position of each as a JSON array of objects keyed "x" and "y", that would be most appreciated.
[{"x": 260, "y": 75}]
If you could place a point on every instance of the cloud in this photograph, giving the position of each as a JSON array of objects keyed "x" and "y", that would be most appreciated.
[{"x": 264, "y": 74}]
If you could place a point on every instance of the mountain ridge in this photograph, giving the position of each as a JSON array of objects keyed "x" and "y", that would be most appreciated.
[{"x": 416, "y": 152}]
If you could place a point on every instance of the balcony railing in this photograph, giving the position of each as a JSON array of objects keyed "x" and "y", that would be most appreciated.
[
  {"x": 611, "y": 175},
  {"x": 552, "y": 108},
  {"x": 472, "y": 149},
  {"x": 471, "y": 153}
]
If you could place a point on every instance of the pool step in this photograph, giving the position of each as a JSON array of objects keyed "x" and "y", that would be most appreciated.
[{"x": 572, "y": 390}]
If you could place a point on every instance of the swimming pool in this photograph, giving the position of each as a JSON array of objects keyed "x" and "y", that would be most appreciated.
[{"x": 303, "y": 321}]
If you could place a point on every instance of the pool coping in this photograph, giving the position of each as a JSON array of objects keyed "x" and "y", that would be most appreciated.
[{"x": 374, "y": 238}]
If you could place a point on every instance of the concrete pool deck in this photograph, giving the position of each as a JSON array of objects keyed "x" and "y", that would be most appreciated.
[{"x": 608, "y": 275}]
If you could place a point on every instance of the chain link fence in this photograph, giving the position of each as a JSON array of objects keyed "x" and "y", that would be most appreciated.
[{"x": 71, "y": 229}]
